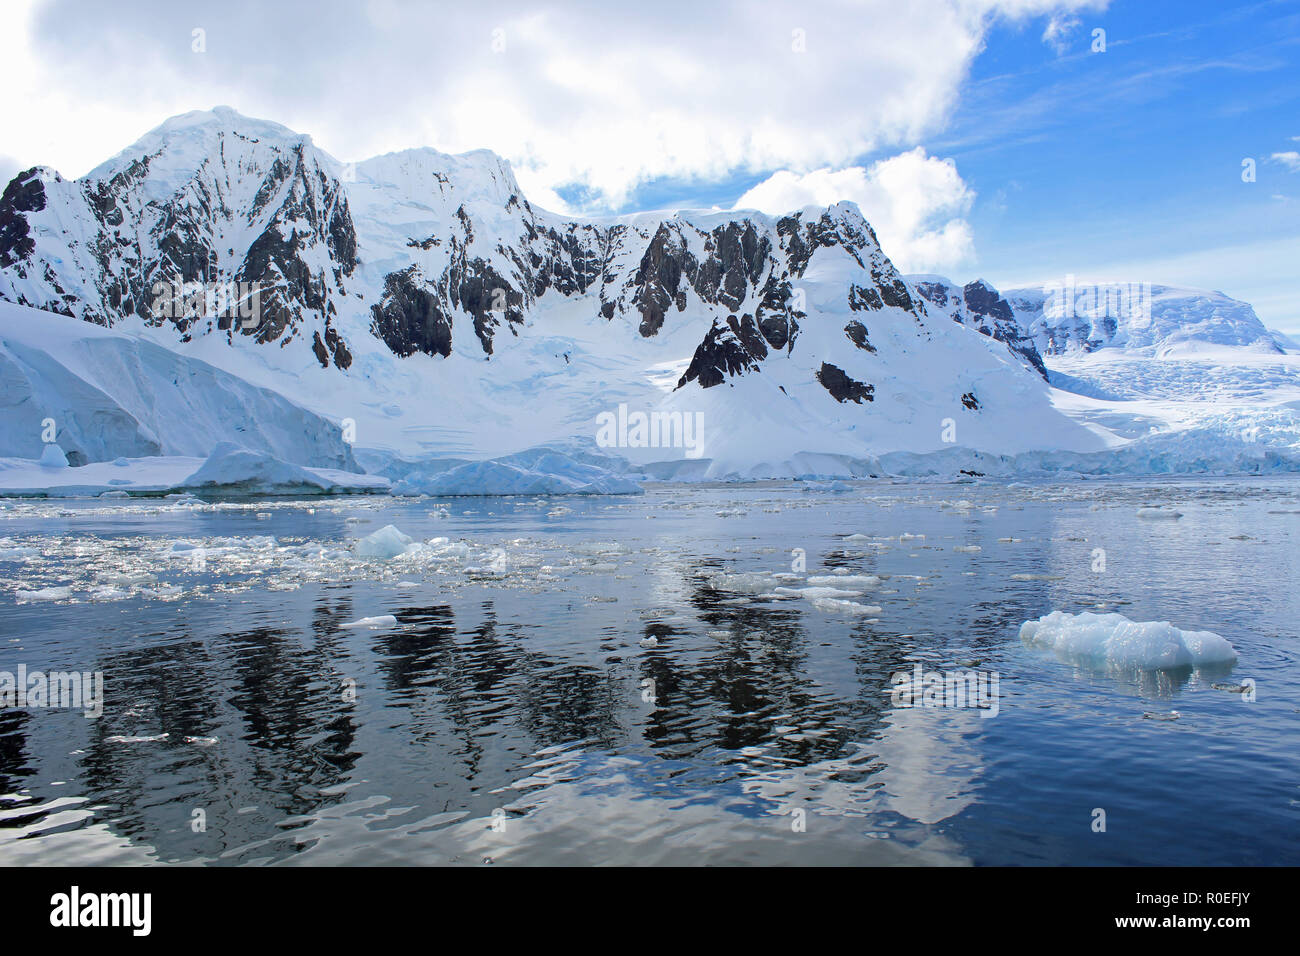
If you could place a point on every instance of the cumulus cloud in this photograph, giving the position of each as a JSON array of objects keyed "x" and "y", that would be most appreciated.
[
  {"x": 915, "y": 202},
  {"x": 1060, "y": 27},
  {"x": 1290, "y": 159},
  {"x": 589, "y": 94}
]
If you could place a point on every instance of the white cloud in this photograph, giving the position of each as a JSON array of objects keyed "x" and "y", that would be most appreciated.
[
  {"x": 598, "y": 95},
  {"x": 1291, "y": 160},
  {"x": 915, "y": 202},
  {"x": 1058, "y": 31}
]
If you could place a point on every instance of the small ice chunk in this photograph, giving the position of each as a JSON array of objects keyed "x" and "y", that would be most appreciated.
[
  {"x": 384, "y": 544},
  {"x": 846, "y": 580},
  {"x": 379, "y": 620},
  {"x": 819, "y": 592},
  {"x": 836, "y": 606},
  {"x": 1167, "y": 513},
  {"x": 52, "y": 456},
  {"x": 755, "y": 582},
  {"x": 968, "y": 548}
]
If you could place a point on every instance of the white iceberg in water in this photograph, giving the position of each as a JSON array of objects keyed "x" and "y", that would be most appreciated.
[
  {"x": 1149, "y": 645},
  {"x": 231, "y": 468},
  {"x": 548, "y": 473}
]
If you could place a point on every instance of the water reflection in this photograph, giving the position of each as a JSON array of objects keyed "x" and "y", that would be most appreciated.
[{"x": 643, "y": 712}]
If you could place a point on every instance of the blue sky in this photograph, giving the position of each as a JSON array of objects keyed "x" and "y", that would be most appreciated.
[{"x": 1125, "y": 163}]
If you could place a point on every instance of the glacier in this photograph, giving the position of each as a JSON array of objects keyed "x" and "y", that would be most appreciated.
[{"x": 111, "y": 394}]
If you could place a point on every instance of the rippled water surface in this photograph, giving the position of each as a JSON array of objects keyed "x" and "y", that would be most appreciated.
[{"x": 642, "y": 680}]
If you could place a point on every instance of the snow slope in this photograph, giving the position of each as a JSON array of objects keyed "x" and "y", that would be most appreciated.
[{"x": 112, "y": 394}]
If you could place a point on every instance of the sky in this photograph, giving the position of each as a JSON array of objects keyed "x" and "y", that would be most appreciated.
[{"x": 1019, "y": 141}]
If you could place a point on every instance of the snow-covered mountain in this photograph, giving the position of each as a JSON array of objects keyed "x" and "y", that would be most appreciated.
[
  {"x": 1142, "y": 318},
  {"x": 424, "y": 299},
  {"x": 981, "y": 307},
  {"x": 1155, "y": 320},
  {"x": 1191, "y": 378}
]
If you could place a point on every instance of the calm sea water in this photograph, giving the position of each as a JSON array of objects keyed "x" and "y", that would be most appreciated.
[{"x": 618, "y": 680}]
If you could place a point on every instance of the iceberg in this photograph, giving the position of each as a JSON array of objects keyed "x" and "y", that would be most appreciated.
[
  {"x": 1113, "y": 638},
  {"x": 232, "y": 468},
  {"x": 548, "y": 473}
]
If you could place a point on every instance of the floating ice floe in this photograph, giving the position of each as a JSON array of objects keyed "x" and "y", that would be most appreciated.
[
  {"x": 816, "y": 593},
  {"x": 834, "y": 487},
  {"x": 384, "y": 544},
  {"x": 844, "y": 580},
  {"x": 1167, "y": 513},
  {"x": 837, "y": 606},
  {"x": 1149, "y": 645},
  {"x": 379, "y": 620},
  {"x": 43, "y": 594},
  {"x": 753, "y": 582}
]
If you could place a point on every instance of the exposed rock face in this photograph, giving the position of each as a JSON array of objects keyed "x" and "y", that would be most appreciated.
[
  {"x": 979, "y": 306},
  {"x": 843, "y": 388},
  {"x": 409, "y": 317},
  {"x": 731, "y": 349},
  {"x": 25, "y": 193},
  {"x": 857, "y": 333}
]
